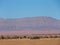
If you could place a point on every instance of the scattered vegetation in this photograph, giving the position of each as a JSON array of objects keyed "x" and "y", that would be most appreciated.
[
  {"x": 35, "y": 37},
  {"x": 29, "y": 37}
]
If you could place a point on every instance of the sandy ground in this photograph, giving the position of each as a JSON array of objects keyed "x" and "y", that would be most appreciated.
[{"x": 46, "y": 41}]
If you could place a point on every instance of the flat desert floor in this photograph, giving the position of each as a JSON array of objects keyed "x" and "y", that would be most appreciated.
[{"x": 44, "y": 41}]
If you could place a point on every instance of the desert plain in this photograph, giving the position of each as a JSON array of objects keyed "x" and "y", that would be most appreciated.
[{"x": 44, "y": 41}]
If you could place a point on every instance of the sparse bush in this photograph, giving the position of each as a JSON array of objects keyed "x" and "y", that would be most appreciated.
[
  {"x": 46, "y": 37},
  {"x": 28, "y": 37},
  {"x": 15, "y": 37},
  {"x": 51, "y": 36},
  {"x": 35, "y": 37},
  {"x": 55, "y": 36},
  {"x": 2, "y": 37},
  {"x": 20, "y": 37},
  {"x": 25, "y": 37}
]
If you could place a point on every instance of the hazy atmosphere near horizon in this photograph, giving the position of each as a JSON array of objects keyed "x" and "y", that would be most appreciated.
[{"x": 29, "y": 8}]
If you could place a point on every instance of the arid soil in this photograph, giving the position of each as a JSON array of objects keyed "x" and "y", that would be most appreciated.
[{"x": 43, "y": 41}]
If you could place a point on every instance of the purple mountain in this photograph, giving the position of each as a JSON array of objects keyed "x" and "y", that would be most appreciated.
[{"x": 33, "y": 23}]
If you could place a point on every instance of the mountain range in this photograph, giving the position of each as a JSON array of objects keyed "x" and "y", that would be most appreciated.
[{"x": 29, "y": 25}]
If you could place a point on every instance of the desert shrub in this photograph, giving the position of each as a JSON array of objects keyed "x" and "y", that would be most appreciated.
[
  {"x": 35, "y": 37},
  {"x": 28, "y": 37},
  {"x": 15, "y": 37},
  {"x": 55, "y": 36},
  {"x": 21, "y": 37},
  {"x": 7, "y": 37},
  {"x": 2, "y": 37},
  {"x": 24, "y": 36},
  {"x": 45, "y": 36},
  {"x": 41, "y": 36},
  {"x": 51, "y": 36}
]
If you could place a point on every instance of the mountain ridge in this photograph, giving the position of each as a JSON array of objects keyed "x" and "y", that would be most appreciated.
[{"x": 30, "y": 23}]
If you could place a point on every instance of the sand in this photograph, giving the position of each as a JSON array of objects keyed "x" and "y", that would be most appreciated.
[{"x": 44, "y": 41}]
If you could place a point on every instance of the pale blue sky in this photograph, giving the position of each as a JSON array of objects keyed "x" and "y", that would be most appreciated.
[{"x": 29, "y": 8}]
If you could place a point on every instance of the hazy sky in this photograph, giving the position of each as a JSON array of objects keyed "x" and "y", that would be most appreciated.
[{"x": 29, "y": 8}]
